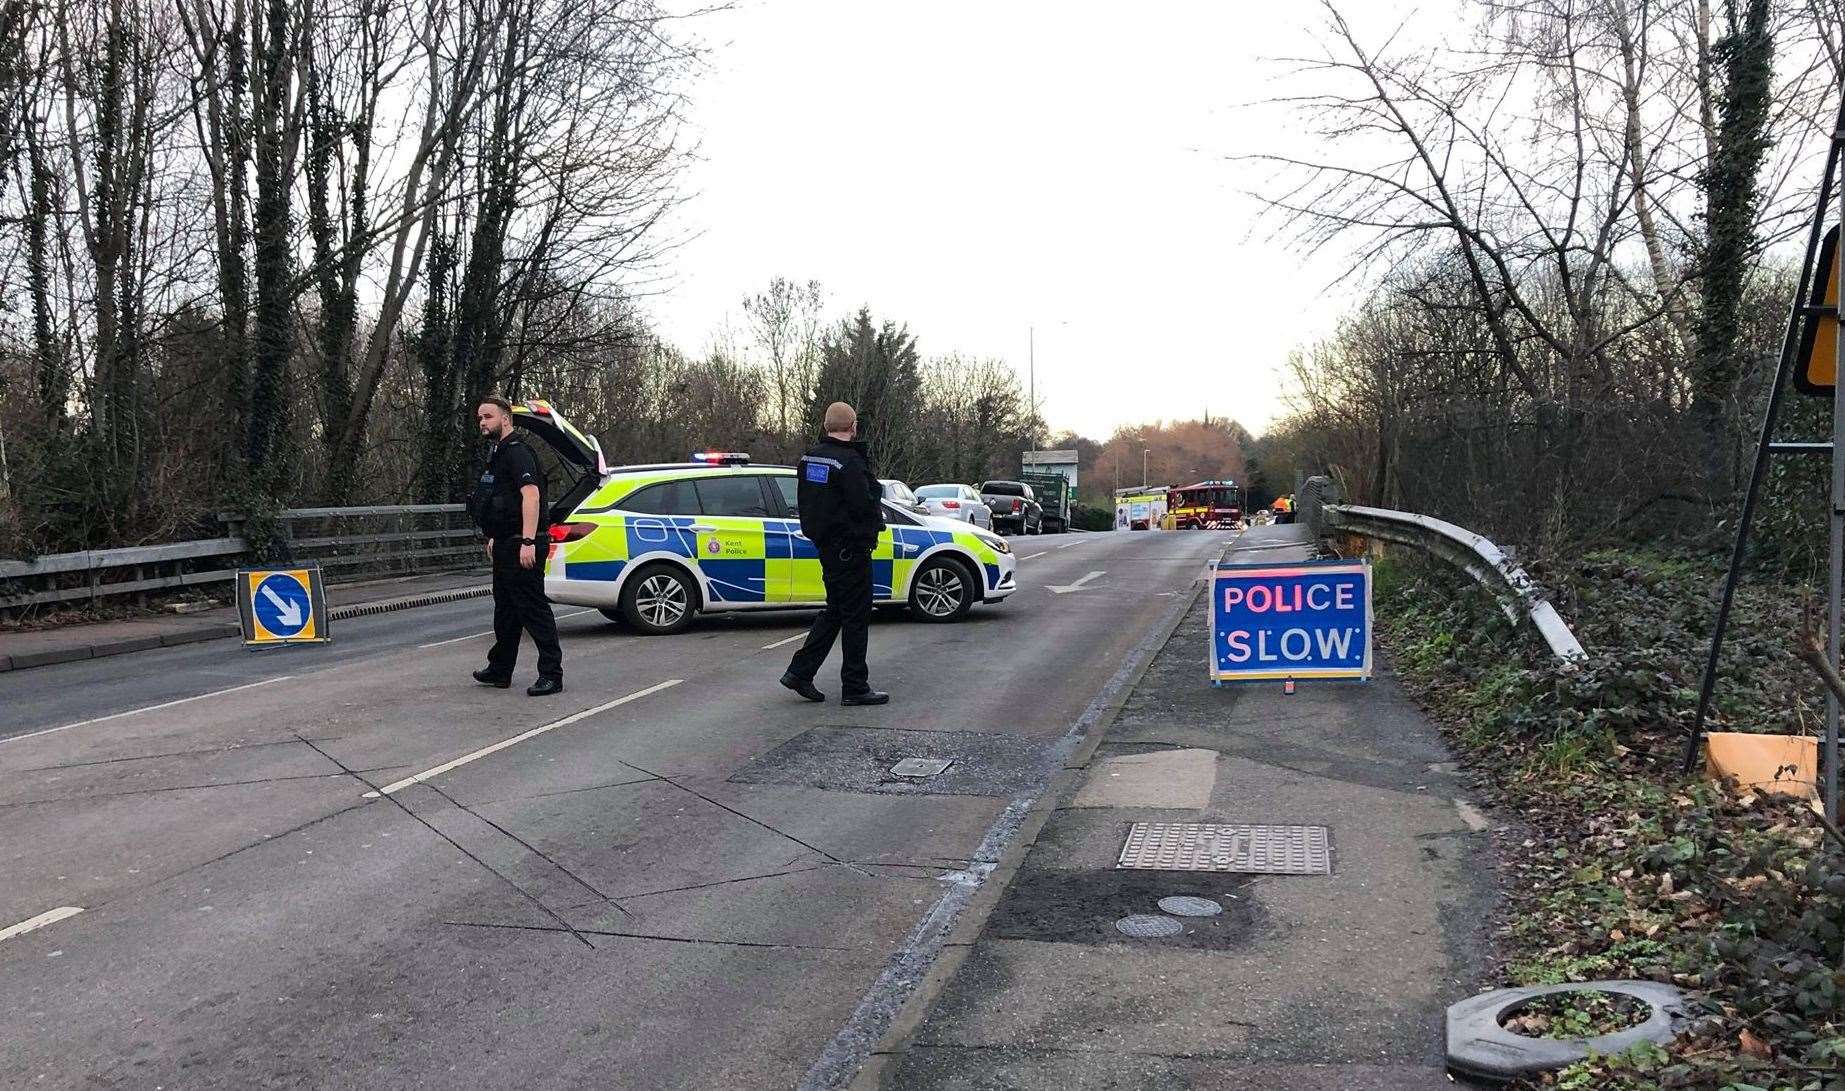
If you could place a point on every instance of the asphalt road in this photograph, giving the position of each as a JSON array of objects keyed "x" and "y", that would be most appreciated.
[{"x": 674, "y": 875}]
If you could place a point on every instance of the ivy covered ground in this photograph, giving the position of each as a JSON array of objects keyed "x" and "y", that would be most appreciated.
[{"x": 1616, "y": 865}]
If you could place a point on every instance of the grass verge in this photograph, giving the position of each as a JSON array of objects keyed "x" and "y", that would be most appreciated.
[{"x": 1622, "y": 867}]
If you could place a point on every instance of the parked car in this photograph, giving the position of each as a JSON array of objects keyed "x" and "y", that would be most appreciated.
[
  {"x": 896, "y": 492},
  {"x": 956, "y": 502},
  {"x": 1013, "y": 506},
  {"x": 655, "y": 545}
]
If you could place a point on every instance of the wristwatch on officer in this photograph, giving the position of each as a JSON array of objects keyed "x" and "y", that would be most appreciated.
[{"x": 528, "y": 541}]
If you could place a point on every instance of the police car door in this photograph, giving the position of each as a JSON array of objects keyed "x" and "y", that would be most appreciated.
[
  {"x": 794, "y": 563},
  {"x": 732, "y": 550}
]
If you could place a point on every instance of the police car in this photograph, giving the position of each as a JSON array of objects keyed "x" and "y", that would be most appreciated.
[{"x": 656, "y": 545}]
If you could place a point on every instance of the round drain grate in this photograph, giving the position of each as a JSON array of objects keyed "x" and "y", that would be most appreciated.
[
  {"x": 1187, "y": 906},
  {"x": 1148, "y": 926}
]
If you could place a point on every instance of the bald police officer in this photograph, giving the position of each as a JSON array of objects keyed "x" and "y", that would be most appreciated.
[{"x": 842, "y": 513}]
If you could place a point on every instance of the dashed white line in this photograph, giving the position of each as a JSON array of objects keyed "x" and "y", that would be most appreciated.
[
  {"x": 1071, "y": 545},
  {"x": 149, "y": 708},
  {"x": 789, "y": 640},
  {"x": 399, "y": 786},
  {"x": 489, "y": 632},
  {"x": 1033, "y": 556},
  {"x": 49, "y": 916},
  {"x": 454, "y": 640}
]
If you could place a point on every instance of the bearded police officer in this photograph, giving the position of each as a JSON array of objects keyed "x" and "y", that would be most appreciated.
[
  {"x": 842, "y": 513},
  {"x": 509, "y": 507}
]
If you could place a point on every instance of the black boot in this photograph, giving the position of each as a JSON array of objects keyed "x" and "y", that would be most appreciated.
[
  {"x": 869, "y": 697},
  {"x": 803, "y": 687},
  {"x": 488, "y": 678},
  {"x": 545, "y": 687}
]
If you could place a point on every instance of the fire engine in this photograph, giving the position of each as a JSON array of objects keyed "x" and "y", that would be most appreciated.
[{"x": 1207, "y": 505}]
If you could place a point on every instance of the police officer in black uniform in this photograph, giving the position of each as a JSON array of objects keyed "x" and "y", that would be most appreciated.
[
  {"x": 509, "y": 508},
  {"x": 842, "y": 512}
]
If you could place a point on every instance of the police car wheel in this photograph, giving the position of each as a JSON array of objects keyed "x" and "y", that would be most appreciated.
[
  {"x": 942, "y": 591},
  {"x": 659, "y": 600}
]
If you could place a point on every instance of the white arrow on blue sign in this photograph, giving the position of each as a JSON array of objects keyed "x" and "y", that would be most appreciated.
[{"x": 282, "y": 604}]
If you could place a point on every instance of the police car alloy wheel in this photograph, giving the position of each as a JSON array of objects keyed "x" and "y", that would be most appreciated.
[
  {"x": 942, "y": 590},
  {"x": 659, "y": 600}
]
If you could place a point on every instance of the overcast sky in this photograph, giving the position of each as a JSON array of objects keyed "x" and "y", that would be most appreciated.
[{"x": 977, "y": 169}]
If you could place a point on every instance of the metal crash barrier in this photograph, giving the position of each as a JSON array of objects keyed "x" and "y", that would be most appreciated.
[{"x": 1518, "y": 596}]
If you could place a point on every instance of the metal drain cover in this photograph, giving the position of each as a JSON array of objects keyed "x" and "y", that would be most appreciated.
[
  {"x": 1182, "y": 905},
  {"x": 1203, "y": 846},
  {"x": 921, "y": 767},
  {"x": 1148, "y": 926}
]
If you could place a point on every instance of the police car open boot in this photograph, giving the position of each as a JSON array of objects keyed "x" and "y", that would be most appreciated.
[
  {"x": 545, "y": 687},
  {"x": 869, "y": 697}
]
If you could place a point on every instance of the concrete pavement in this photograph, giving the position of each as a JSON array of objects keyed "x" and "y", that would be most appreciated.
[
  {"x": 1304, "y": 982},
  {"x": 677, "y": 876}
]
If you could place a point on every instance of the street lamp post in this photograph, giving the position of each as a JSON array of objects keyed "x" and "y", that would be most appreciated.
[{"x": 1143, "y": 466}]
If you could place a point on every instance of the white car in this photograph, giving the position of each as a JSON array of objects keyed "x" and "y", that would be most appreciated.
[
  {"x": 896, "y": 492},
  {"x": 960, "y": 502}
]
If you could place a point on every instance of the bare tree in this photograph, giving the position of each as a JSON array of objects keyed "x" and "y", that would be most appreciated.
[{"x": 785, "y": 320}]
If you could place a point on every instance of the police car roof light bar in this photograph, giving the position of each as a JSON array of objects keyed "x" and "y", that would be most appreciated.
[{"x": 722, "y": 458}]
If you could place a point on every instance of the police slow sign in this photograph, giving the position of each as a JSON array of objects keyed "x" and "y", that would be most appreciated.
[{"x": 1306, "y": 620}]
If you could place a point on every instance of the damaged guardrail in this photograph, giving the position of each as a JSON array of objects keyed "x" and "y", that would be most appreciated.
[{"x": 1519, "y": 597}]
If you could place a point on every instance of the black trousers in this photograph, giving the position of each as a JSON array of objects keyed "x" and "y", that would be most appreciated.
[
  {"x": 847, "y": 572},
  {"x": 519, "y": 605}
]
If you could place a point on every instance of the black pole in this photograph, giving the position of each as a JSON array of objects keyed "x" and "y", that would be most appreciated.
[{"x": 1789, "y": 342}]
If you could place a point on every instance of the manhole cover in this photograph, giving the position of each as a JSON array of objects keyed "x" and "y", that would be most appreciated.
[
  {"x": 1203, "y": 846},
  {"x": 920, "y": 767},
  {"x": 846, "y": 758},
  {"x": 1148, "y": 926},
  {"x": 1183, "y": 905}
]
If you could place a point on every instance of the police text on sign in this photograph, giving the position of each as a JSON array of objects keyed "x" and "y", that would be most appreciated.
[{"x": 1308, "y": 620}]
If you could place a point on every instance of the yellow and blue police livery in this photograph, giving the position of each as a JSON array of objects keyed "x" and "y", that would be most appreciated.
[{"x": 656, "y": 545}]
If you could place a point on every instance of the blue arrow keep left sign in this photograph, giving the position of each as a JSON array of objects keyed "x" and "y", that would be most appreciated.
[{"x": 282, "y": 604}]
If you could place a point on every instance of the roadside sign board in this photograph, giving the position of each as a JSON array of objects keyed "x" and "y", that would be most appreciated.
[
  {"x": 282, "y": 606},
  {"x": 1306, "y": 620},
  {"x": 1819, "y": 333}
]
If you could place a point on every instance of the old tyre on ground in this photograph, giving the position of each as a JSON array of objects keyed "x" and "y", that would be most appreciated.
[
  {"x": 943, "y": 589},
  {"x": 659, "y": 599}
]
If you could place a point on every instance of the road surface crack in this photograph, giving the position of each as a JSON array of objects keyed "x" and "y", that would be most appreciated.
[
  {"x": 563, "y": 791},
  {"x": 165, "y": 754},
  {"x": 534, "y": 850},
  {"x": 172, "y": 788},
  {"x": 459, "y": 847},
  {"x": 724, "y": 882},
  {"x": 747, "y": 818},
  {"x": 580, "y": 932}
]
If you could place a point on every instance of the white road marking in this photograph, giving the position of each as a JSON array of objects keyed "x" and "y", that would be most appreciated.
[
  {"x": 1034, "y": 556},
  {"x": 790, "y": 640},
  {"x": 1077, "y": 586},
  {"x": 455, "y": 640},
  {"x": 1070, "y": 546},
  {"x": 149, "y": 708},
  {"x": 489, "y": 632},
  {"x": 519, "y": 738},
  {"x": 50, "y": 916}
]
